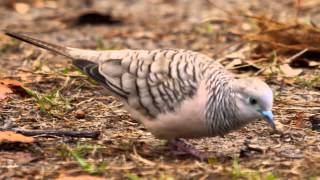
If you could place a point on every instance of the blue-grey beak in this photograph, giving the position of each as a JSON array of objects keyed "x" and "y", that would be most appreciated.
[{"x": 268, "y": 116}]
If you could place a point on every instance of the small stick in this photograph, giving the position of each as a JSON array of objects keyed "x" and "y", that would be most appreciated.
[
  {"x": 28, "y": 132},
  {"x": 60, "y": 133}
]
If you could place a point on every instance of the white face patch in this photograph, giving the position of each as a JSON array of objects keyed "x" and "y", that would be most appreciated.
[{"x": 257, "y": 93}]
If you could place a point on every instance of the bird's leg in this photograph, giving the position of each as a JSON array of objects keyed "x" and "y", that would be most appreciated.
[{"x": 179, "y": 147}]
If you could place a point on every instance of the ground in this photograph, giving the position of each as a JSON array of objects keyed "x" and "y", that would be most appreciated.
[{"x": 66, "y": 99}]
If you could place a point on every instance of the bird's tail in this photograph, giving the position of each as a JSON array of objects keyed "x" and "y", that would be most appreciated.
[{"x": 48, "y": 46}]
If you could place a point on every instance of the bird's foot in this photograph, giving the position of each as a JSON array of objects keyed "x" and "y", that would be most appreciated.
[{"x": 179, "y": 147}]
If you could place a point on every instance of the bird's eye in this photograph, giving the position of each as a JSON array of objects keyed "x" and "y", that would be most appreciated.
[{"x": 252, "y": 101}]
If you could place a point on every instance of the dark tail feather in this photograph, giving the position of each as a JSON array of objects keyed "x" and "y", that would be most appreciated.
[{"x": 45, "y": 45}]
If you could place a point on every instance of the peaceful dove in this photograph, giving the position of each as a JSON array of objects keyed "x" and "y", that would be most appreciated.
[{"x": 173, "y": 93}]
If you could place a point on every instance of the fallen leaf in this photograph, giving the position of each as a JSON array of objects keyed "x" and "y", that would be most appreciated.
[
  {"x": 4, "y": 91},
  {"x": 237, "y": 58},
  {"x": 11, "y": 82},
  {"x": 288, "y": 71},
  {"x": 64, "y": 177},
  {"x": 10, "y": 86},
  {"x": 21, "y": 8},
  {"x": 10, "y": 136},
  {"x": 299, "y": 120},
  {"x": 288, "y": 36}
]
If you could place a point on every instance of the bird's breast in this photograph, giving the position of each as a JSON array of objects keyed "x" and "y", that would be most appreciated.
[{"x": 187, "y": 121}]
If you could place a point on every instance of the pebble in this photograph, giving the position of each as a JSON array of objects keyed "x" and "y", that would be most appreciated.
[{"x": 80, "y": 114}]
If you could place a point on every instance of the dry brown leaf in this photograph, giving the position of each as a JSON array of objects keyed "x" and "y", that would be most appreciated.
[
  {"x": 9, "y": 86},
  {"x": 10, "y": 82},
  {"x": 83, "y": 177},
  {"x": 288, "y": 71},
  {"x": 10, "y": 136},
  {"x": 300, "y": 119},
  {"x": 4, "y": 91},
  {"x": 21, "y": 8},
  {"x": 286, "y": 36}
]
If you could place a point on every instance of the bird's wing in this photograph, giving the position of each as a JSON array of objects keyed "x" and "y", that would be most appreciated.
[{"x": 151, "y": 82}]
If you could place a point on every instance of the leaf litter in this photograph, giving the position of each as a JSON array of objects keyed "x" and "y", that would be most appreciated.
[
  {"x": 127, "y": 148},
  {"x": 285, "y": 36},
  {"x": 11, "y": 137},
  {"x": 9, "y": 87}
]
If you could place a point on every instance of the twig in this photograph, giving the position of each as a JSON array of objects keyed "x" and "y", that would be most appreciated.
[
  {"x": 9, "y": 126},
  {"x": 297, "y": 55},
  {"x": 60, "y": 133},
  {"x": 137, "y": 157}
]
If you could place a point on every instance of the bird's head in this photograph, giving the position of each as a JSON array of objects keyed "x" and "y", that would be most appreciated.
[{"x": 254, "y": 98}]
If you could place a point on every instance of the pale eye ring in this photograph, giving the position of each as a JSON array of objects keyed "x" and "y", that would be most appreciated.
[{"x": 253, "y": 101}]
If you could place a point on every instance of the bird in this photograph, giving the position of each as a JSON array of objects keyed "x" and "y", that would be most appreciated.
[{"x": 175, "y": 93}]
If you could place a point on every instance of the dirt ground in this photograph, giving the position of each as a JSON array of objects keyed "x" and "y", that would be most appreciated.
[{"x": 68, "y": 100}]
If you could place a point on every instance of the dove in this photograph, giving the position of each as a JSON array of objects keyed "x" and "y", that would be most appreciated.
[{"x": 174, "y": 93}]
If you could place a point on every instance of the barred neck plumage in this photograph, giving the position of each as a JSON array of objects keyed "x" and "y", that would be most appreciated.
[{"x": 221, "y": 106}]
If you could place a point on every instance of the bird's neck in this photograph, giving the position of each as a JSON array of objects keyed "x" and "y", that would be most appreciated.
[{"x": 221, "y": 105}]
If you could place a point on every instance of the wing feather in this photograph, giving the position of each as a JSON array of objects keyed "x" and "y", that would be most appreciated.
[{"x": 151, "y": 82}]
